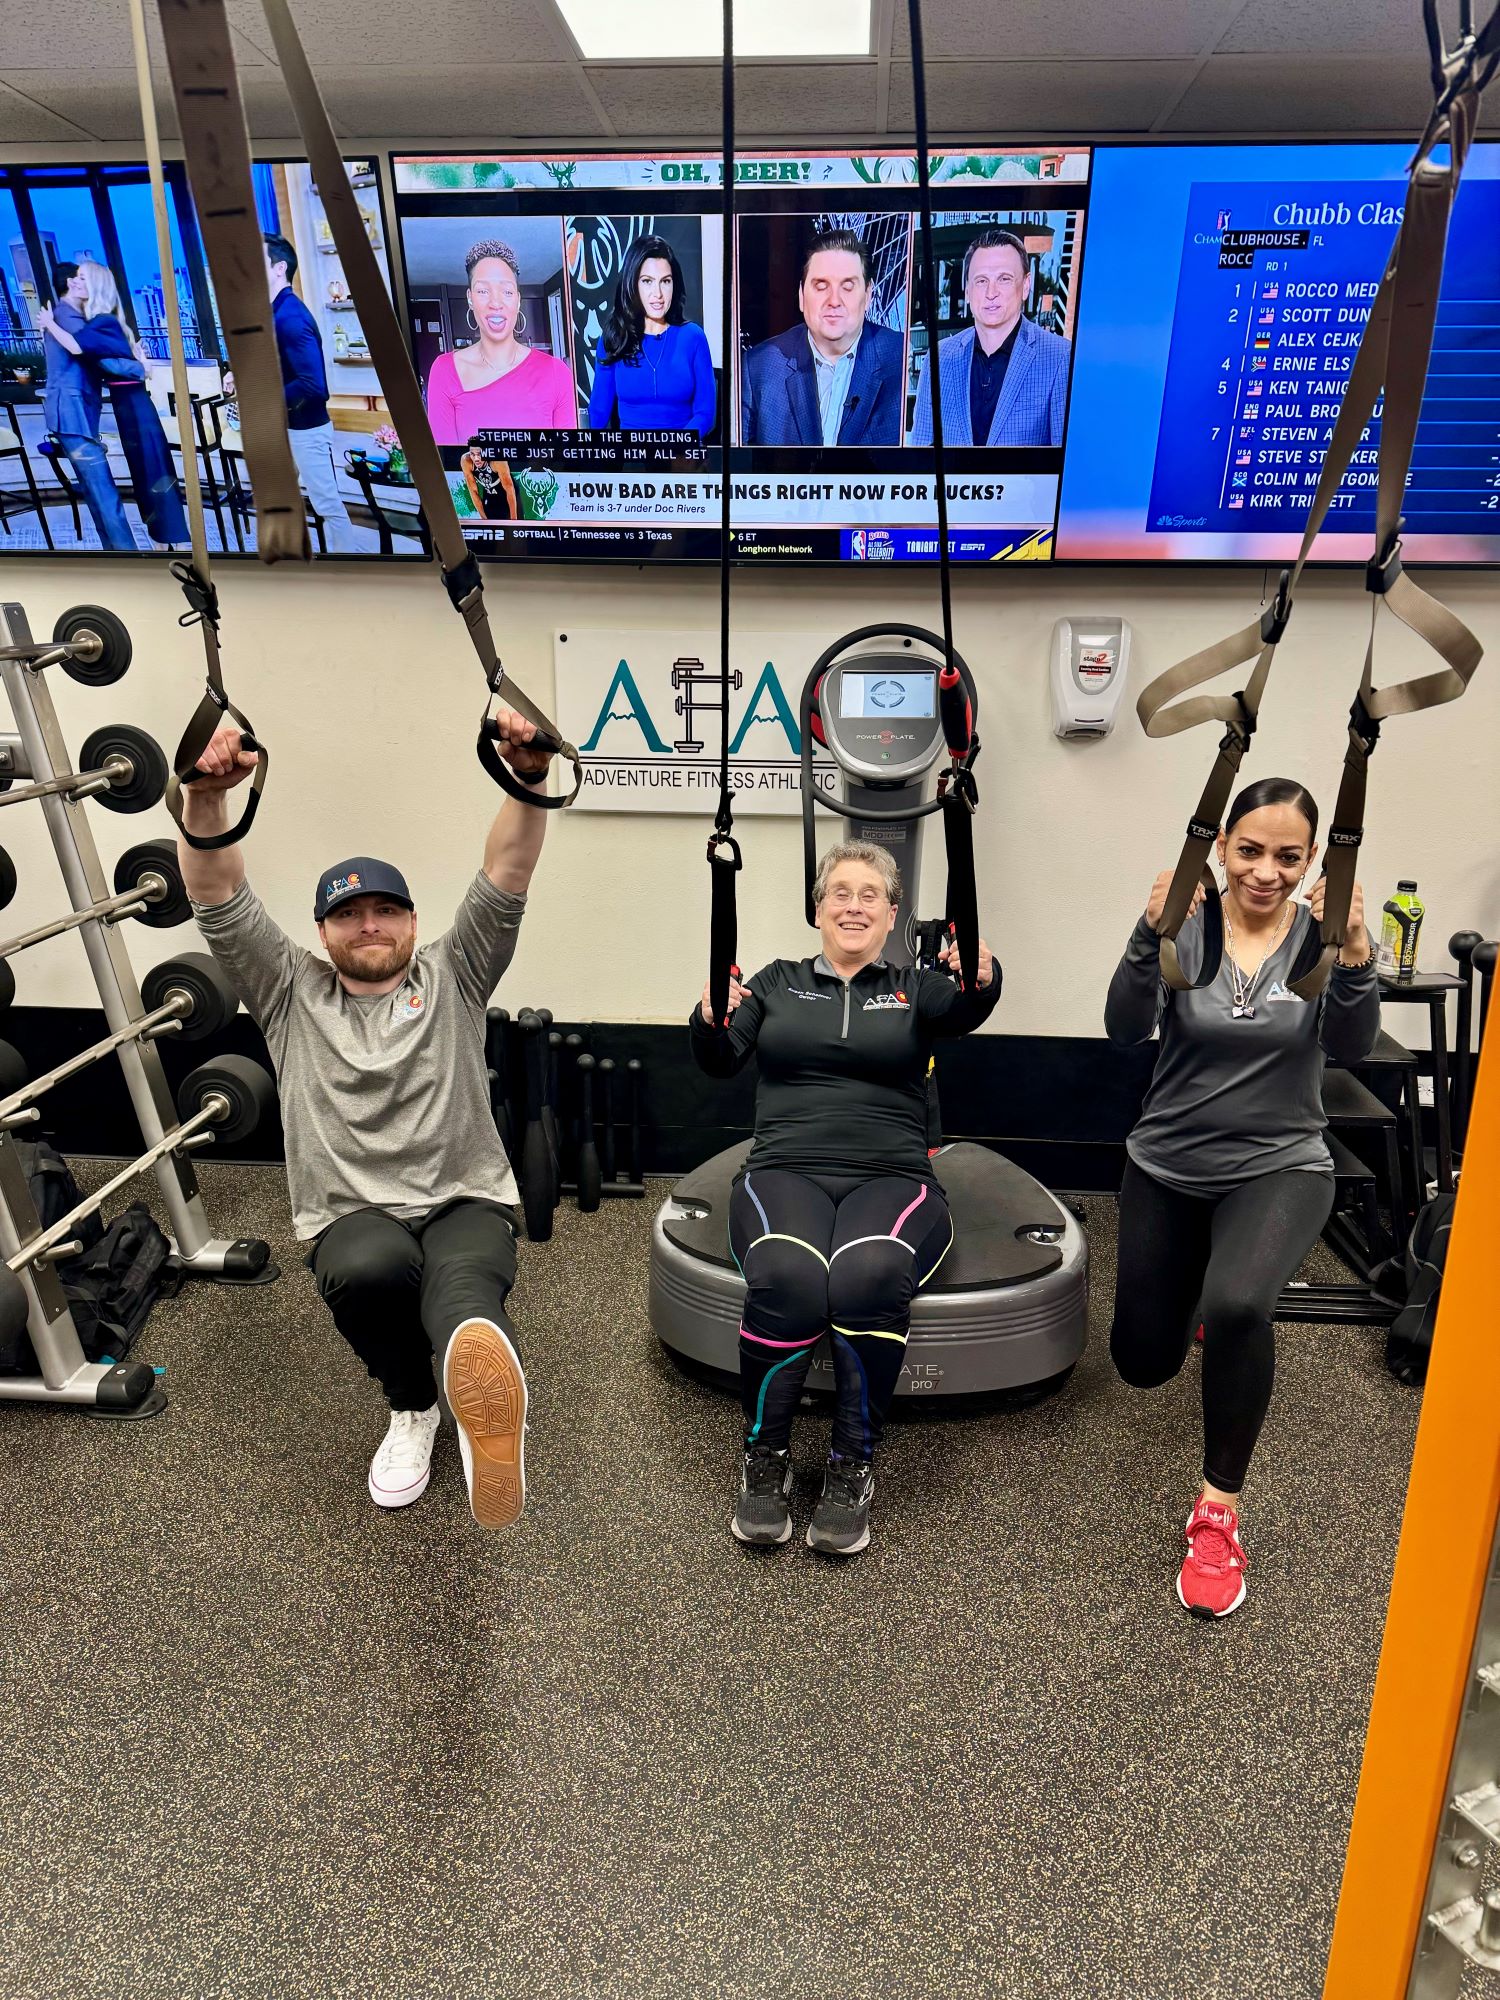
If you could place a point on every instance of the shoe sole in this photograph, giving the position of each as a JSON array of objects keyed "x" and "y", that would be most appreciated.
[
  {"x": 399, "y": 1496},
  {"x": 1205, "y": 1610},
  {"x": 486, "y": 1392},
  {"x": 760, "y": 1541},
  {"x": 837, "y": 1548}
]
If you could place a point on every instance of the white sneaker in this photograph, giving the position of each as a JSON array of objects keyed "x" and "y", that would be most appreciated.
[
  {"x": 399, "y": 1471},
  {"x": 486, "y": 1392}
]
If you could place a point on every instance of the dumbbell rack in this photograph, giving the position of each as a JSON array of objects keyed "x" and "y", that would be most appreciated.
[{"x": 124, "y": 1388}]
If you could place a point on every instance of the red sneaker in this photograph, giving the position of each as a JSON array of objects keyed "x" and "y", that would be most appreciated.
[{"x": 1211, "y": 1582}]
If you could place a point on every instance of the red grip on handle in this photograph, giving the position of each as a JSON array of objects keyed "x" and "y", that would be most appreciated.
[{"x": 956, "y": 711}]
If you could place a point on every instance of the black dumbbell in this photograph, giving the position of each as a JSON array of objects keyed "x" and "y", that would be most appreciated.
[
  {"x": 246, "y": 1094},
  {"x": 607, "y": 1116},
  {"x": 13, "y": 1069},
  {"x": 101, "y": 645},
  {"x": 211, "y": 1002},
  {"x": 633, "y": 1071},
  {"x": 536, "y": 1157},
  {"x": 588, "y": 1152},
  {"x": 155, "y": 857},
  {"x": 131, "y": 790}
]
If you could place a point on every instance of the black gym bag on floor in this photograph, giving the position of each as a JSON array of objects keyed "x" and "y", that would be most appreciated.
[
  {"x": 113, "y": 1284},
  {"x": 1415, "y": 1280}
]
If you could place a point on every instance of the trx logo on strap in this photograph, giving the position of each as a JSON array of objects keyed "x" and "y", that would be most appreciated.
[
  {"x": 1345, "y": 836},
  {"x": 1199, "y": 829}
]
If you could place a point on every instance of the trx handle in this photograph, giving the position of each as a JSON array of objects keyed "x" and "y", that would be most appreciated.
[
  {"x": 1392, "y": 360},
  {"x": 403, "y": 397},
  {"x": 216, "y": 147},
  {"x": 195, "y": 574}
]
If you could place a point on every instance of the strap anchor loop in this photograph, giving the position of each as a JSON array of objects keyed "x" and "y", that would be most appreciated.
[
  {"x": 202, "y": 597},
  {"x": 1273, "y": 620},
  {"x": 716, "y": 840},
  {"x": 1382, "y": 571},
  {"x": 1363, "y": 725}
]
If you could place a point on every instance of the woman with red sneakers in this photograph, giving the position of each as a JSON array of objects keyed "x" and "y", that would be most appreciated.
[{"x": 1229, "y": 1180}]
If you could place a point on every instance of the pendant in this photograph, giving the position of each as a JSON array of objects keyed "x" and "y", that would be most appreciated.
[{"x": 1238, "y": 1013}]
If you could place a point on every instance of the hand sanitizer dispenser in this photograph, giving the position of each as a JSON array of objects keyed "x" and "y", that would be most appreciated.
[{"x": 1090, "y": 657}]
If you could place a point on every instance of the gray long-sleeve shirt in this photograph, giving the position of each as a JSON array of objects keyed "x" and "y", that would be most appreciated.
[
  {"x": 384, "y": 1098},
  {"x": 1233, "y": 1099}
]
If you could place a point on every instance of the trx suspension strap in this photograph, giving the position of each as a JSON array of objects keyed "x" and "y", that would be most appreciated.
[
  {"x": 956, "y": 786},
  {"x": 1392, "y": 357},
  {"x": 723, "y": 849},
  {"x": 403, "y": 396},
  {"x": 250, "y": 345}
]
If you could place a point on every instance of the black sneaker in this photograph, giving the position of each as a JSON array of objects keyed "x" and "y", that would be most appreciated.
[
  {"x": 762, "y": 1515},
  {"x": 840, "y": 1525}
]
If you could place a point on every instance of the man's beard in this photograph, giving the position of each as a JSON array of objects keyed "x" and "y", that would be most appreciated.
[{"x": 371, "y": 962}]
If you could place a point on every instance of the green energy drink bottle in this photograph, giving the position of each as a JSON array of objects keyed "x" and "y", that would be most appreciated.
[{"x": 1400, "y": 926}]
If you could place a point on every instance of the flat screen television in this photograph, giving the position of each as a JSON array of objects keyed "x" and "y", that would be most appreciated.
[
  {"x": 1226, "y": 292},
  {"x": 90, "y": 444},
  {"x": 566, "y": 321}
]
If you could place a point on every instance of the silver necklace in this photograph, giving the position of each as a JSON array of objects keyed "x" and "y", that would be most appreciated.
[{"x": 1241, "y": 988}]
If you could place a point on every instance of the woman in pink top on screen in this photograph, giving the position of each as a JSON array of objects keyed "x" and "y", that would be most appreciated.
[{"x": 499, "y": 383}]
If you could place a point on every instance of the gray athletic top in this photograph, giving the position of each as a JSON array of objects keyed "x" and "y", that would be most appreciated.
[
  {"x": 384, "y": 1098},
  {"x": 1233, "y": 1099}
]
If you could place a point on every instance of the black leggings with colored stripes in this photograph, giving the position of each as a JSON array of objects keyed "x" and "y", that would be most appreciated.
[
  {"x": 838, "y": 1255},
  {"x": 1219, "y": 1261}
]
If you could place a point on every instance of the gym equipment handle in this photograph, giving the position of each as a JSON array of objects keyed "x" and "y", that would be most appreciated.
[
  {"x": 151, "y": 888},
  {"x": 19, "y": 1109},
  {"x": 78, "y": 784}
]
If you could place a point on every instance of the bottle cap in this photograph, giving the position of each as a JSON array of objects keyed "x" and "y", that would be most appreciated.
[{"x": 1402, "y": 887}]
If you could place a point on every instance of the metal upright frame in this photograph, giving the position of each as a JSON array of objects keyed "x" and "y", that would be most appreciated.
[{"x": 40, "y": 753}]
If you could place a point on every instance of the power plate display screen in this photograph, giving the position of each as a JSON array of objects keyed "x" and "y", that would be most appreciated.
[{"x": 874, "y": 697}]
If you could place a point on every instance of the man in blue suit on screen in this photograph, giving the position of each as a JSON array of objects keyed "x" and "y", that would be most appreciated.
[
  {"x": 1004, "y": 379},
  {"x": 836, "y": 378}
]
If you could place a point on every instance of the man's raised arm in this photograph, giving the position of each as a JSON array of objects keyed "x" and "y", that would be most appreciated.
[{"x": 516, "y": 834}]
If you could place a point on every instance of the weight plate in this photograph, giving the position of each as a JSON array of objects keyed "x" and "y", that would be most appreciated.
[
  {"x": 7, "y": 879},
  {"x": 13, "y": 1069},
  {"x": 111, "y": 651},
  {"x": 147, "y": 782},
  {"x": 7, "y": 985},
  {"x": 250, "y": 1092},
  {"x": 214, "y": 1001},
  {"x": 155, "y": 857}
]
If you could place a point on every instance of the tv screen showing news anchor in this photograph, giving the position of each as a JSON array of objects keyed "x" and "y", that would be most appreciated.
[
  {"x": 641, "y": 354},
  {"x": 1003, "y": 326},
  {"x": 822, "y": 316}
]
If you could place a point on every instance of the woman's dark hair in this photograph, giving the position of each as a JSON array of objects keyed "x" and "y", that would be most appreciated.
[
  {"x": 625, "y": 328},
  {"x": 1275, "y": 792}
]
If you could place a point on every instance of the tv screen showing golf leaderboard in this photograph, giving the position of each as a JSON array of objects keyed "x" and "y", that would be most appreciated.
[{"x": 1138, "y": 356}]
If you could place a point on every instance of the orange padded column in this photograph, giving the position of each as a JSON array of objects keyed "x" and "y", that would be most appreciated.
[{"x": 1442, "y": 1566}]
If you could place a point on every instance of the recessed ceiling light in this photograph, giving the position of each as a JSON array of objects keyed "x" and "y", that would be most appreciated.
[{"x": 608, "y": 31}]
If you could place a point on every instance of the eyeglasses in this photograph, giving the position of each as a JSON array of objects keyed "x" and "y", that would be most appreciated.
[{"x": 868, "y": 898}]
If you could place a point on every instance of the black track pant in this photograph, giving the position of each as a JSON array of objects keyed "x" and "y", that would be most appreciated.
[
  {"x": 829, "y": 1254},
  {"x": 397, "y": 1290},
  {"x": 1221, "y": 1260}
]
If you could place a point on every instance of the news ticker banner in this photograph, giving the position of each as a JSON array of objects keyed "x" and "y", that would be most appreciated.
[
  {"x": 644, "y": 710},
  {"x": 510, "y": 479},
  {"x": 466, "y": 173}
]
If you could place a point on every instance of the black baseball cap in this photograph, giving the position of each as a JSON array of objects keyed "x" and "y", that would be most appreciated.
[{"x": 359, "y": 876}]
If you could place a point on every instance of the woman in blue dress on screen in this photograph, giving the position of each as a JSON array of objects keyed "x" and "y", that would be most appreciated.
[{"x": 653, "y": 371}]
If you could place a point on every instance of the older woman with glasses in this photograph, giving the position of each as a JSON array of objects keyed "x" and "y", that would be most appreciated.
[{"x": 837, "y": 1220}]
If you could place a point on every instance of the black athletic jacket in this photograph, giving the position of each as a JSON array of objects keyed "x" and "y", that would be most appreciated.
[{"x": 843, "y": 1064}]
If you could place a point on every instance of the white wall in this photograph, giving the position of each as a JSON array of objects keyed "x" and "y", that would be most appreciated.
[{"x": 365, "y": 688}]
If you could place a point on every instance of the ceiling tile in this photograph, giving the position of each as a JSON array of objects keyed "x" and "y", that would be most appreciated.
[
  {"x": 1337, "y": 27},
  {"x": 23, "y": 119},
  {"x": 1023, "y": 99},
  {"x": 102, "y": 101},
  {"x": 50, "y": 37},
  {"x": 429, "y": 35},
  {"x": 1305, "y": 94},
  {"x": 489, "y": 105},
  {"x": 1069, "y": 28},
  {"x": 772, "y": 100}
]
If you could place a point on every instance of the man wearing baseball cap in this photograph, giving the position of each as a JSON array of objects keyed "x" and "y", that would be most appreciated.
[{"x": 398, "y": 1181}]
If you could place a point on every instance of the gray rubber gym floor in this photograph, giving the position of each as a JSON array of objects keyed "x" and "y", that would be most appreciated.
[{"x": 259, "y": 1739}]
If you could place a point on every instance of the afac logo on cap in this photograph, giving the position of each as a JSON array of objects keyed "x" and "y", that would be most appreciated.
[{"x": 340, "y": 886}]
